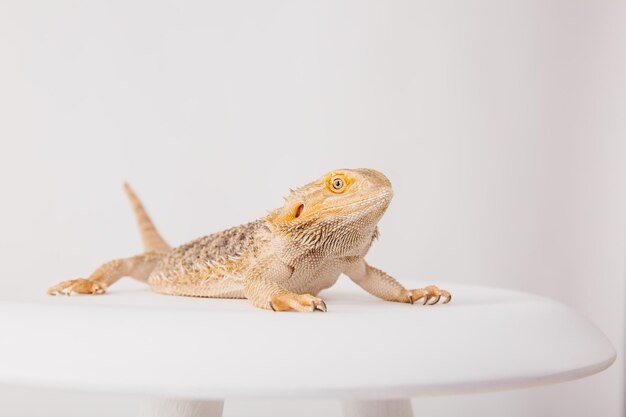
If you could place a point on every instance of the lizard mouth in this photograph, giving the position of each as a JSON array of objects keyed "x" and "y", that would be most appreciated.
[{"x": 372, "y": 202}]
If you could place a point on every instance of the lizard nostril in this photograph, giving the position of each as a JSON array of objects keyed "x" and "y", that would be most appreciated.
[{"x": 299, "y": 210}]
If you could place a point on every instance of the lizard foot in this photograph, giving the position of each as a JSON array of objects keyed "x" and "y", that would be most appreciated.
[
  {"x": 430, "y": 294},
  {"x": 298, "y": 302},
  {"x": 79, "y": 286}
]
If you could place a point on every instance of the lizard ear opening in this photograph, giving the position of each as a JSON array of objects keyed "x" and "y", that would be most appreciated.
[{"x": 299, "y": 211}]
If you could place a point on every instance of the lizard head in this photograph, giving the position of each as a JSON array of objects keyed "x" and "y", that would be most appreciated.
[{"x": 345, "y": 199}]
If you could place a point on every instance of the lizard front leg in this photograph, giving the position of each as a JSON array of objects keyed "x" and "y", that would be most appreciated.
[
  {"x": 380, "y": 284},
  {"x": 262, "y": 290}
]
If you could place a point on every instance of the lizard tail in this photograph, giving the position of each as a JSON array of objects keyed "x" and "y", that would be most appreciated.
[{"x": 152, "y": 240}]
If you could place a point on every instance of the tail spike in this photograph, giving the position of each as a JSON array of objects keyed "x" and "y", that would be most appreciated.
[{"x": 152, "y": 240}]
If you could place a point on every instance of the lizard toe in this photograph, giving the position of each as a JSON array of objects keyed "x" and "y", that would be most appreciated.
[
  {"x": 78, "y": 286},
  {"x": 298, "y": 302}
]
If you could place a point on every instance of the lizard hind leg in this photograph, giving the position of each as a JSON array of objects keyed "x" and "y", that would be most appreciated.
[{"x": 138, "y": 267}]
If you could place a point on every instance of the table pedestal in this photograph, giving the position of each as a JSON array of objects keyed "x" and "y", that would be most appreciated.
[
  {"x": 180, "y": 408},
  {"x": 187, "y": 408},
  {"x": 378, "y": 408}
]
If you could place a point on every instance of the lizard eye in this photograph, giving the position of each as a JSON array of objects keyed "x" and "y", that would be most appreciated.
[{"x": 337, "y": 183}]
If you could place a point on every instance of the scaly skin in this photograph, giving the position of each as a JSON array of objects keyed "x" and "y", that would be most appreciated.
[{"x": 280, "y": 262}]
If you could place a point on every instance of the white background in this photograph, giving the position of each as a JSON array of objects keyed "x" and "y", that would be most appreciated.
[{"x": 501, "y": 125}]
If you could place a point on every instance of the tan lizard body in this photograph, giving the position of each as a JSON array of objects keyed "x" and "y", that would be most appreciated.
[{"x": 280, "y": 262}]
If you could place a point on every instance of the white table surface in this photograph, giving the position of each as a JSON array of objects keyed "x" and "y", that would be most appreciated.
[{"x": 134, "y": 341}]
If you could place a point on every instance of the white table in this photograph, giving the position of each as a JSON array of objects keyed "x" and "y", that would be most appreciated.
[{"x": 189, "y": 354}]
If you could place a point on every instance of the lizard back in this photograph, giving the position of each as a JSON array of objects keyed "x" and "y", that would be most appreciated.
[{"x": 210, "y": 266}]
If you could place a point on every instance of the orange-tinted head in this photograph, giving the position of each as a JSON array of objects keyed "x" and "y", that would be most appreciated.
[{"x": 341, "y": 197}]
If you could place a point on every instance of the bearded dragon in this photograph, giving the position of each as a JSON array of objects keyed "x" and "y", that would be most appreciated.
[{"x": 279, "y": 262}]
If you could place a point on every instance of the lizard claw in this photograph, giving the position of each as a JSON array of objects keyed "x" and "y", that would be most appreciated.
[
  {"x": 271, "y": 306},
  {"x": 435, "y": 298},
  {"x": 417, "y": 297},
  {"x": 430, "y": 294},
  {"x": 321, "y": 306}
]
